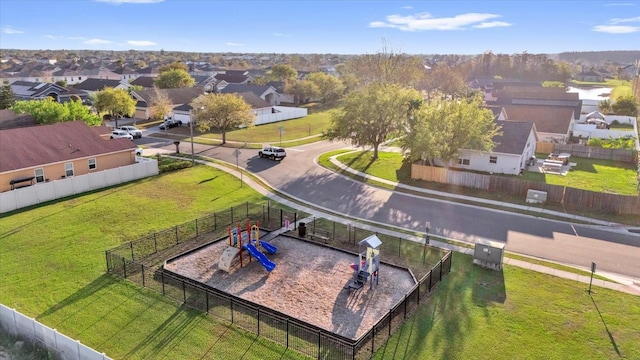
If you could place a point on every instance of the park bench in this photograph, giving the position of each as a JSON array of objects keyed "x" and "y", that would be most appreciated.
[{"x": 323, "y": 235}]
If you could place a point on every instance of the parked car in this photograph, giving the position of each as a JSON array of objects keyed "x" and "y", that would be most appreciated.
[
  {"x": 171, "y": 123},
  {"x": 272, "y": 152},
  {"x": 137, "y": 134},
  {"x": 116, "y": 134}
]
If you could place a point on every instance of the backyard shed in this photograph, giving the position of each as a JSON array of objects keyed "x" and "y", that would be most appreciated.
[{"x": 489, "y": 254}]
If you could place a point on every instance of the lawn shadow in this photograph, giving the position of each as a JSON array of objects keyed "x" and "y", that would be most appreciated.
[
  {"x": 489, "y": 288},
  {"x": 89, "y": 291},
  {"x": 441, "y": 322},
  {"x": 207, "y": 180},
  {"x": 613, "y": 341}
]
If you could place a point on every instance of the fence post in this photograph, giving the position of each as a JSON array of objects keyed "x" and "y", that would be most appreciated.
[
  {"x": 106, "y": 258},
  {"x": 232, "y": 214},
  {"x": 215, "y": 222},
  {"x": 142, "y": 268},
  {"x": 131, "y": 247},
  {"x": 295, "y": 220},
  {"x": 287, "y": 333},
  {"x": 258, "y": 321},
  {"x": 390, "y": 319},
  {"x": 231, "y": 311},
  {"x": 319, "y": 334},
  {"x": 196, "y": 227},
  {"x": 281, "y": 218},
  {"x": 440, "y": 270},
  {"x": 155, "y": 242},
  {"x": 177, "y": 239},
  {"x": 373, "y": 340},
  {"x": 247, "y": 205},
  {"x": 314, "y": 224},
  {"x": 184, "y": 292},
  {"x": 162, "y": 279},
  {"x": 206, "y": 297},
  {"x": 124, "y": 267},
  {"x": 405, "y": 306}
]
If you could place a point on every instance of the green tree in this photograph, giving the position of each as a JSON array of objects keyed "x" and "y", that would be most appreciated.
[
  {"x": 625, "y": 105},
  {"x": 134, "y": 88},
  {"x": 440, "y": 128},
  {"x": 302, "y": 90},
  {"x": 160, "y": 105},
  {"x": 605, "y": 106},
  {"x": 371, "y": 115},
  {"x": 178, "y": 65},
  {"x": 117, "y": 102},
  {"x": 62, "y": 83},
  {"x": 48, "y": 111},
  {"x": 444, "y": 79},
  {"x": 329, "y": 87},
  {"x": 7, "y": 96},
  {"x": 283, "y": 72},
  {"x": 221, "y": 111},
  {"x": 386, "y": 67},
  {"x": 171, "y": 79}
]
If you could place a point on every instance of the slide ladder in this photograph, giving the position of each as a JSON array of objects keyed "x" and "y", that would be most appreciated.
[{"x": 227, "y": 258}]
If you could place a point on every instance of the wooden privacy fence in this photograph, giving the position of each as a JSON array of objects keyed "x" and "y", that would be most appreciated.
[
  {"x": 569, "y": 197},
  {"x": 585, "y": 151}
]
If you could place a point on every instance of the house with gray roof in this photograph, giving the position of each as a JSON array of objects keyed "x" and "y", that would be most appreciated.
[
  {"x": 92, "y": 86},
  {"x": 514, "y": 147},
  {"x": 25, "y": 90},
  {"x": 266, "y": 92},
  {"x": 177, "y": 97}
]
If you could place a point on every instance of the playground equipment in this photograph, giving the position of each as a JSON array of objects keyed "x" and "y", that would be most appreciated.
[
  {"x": 246, "y": 241},
  {"x": 368, "y": 265}
]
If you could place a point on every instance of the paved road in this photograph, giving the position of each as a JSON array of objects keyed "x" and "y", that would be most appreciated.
[{"x": 613, "y": 250}]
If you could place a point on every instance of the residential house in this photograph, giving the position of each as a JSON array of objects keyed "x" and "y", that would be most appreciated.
[
  {"x": 177, "y": 97},
  {"x": 629, "y": 71},
  {"x": 127, "y": 73},
  {"x": 25, "y": 90},
  {"x": 10, "y": 120},
  {"x": 553, "y": 123},
  {"x": 265, "y": 92},
  {"x": 92, "y": 86},
  {"x": 514, "y": 147},
  {"x": 38, "y": 154},
  {"x": 147, "y": 82},
  {"x": 589, "y": 75}
]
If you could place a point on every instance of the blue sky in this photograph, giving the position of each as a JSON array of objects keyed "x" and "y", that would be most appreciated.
[{"x": 331, "y": 26}]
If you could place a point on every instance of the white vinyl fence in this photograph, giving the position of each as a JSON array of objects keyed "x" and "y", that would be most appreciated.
[
  {"x": 283, "y": 113},
  {"x": 66, "y": 348},
  {"x": 47, "y": 191}
]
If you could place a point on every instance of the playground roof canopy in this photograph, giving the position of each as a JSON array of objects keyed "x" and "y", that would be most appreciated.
[{"x": 372, "y": 241}]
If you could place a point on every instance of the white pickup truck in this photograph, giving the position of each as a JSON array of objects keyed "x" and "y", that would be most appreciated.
[{"x": 272, "y": 152}]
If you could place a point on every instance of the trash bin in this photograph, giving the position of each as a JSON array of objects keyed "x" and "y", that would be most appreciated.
[{"x": 302, "y": 230}]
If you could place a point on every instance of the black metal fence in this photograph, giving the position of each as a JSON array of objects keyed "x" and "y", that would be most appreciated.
[{"x": 131, "y": 261}]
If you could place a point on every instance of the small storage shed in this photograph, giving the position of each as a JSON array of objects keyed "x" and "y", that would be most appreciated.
[{"x": 489, "y": 254}]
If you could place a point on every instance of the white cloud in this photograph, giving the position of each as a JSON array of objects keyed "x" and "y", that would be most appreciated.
[
  {"x": 97, "y": 42},
  {"x": 141, "y": 43},
  {"x": 49, "y": 36},
  {"x": 233, "y": 44},
  {"x": 620, "y": 4},
  {"x": 492, "y": 24},
  {"x": 616, "y": 29},
  {"x": 118, "y": 2},
  {"x": 408, "y": 7},
  {"x": 425, "y": 21},
  {"x": 11, "y": 30},
  {"x": 618, "y": 20}
]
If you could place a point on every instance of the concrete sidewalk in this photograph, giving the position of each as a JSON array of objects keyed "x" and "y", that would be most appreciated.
[{"x": 618, "y": 283}]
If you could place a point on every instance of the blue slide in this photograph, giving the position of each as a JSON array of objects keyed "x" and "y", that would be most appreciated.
[
  {"x": 268, "y": 247},
  {"x": 268, "y": 264}
]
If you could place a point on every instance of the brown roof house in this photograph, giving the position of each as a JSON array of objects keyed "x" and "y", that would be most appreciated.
[
  {"x": 46, "y": 162},
  {"x": 552, "y": 122}
]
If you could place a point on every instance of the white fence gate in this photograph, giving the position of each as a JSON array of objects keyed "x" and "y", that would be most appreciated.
[
  {"x": 47, "y": 191},
  {"x": 65, "y": 347}
]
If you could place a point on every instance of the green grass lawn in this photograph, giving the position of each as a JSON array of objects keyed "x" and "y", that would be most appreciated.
[
  {"x": 589, "y": 174},
  {"x": 53, "y": 269},
  {"x": 517, "y": 314},
  {"x": 313, "y": 124}
]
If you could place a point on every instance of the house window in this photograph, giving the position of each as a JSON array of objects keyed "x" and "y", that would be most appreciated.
[
  {"x": 493, "y": 159},
  {"x": 92, "y": 164},
  {"x": 39, "y": 173},
  {"x": 79, "y": 78},
  {"x": 68, "y": 169},
  {"x": 462, "y": 161}
]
